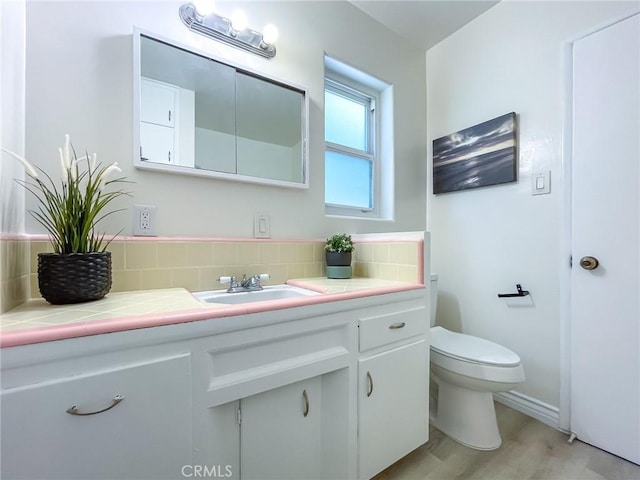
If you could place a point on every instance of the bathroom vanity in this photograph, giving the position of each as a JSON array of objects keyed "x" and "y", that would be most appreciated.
[{"x": 325, "y": 389}]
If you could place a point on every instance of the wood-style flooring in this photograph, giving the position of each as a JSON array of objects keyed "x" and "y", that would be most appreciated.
[{"x": 530, "y": 450}]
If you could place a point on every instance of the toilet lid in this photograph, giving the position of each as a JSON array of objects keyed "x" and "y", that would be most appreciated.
[{"x": 471, "y": 349}]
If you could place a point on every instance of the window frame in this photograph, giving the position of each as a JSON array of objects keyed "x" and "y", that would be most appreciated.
[{"x": 359, "y": 93}]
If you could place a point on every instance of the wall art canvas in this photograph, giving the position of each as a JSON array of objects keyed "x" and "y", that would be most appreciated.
[{"x": 478, "y": 156}]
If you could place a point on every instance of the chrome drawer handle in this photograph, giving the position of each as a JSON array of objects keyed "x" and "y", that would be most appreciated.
[
  {"x": 370, "y": 378},
  {"x": 74, "y": 408},
  {"x": 306, "y": 403},
  {"x": 395, "y": 326}
]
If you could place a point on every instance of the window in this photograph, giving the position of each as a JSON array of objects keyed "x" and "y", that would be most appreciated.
[
  {"x": 349, "y": 148},
  {"x": 352, "y": 159}
]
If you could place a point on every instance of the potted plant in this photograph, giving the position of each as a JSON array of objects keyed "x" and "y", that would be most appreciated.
[
  {"x": 338, "y": 249},
  {"x": 79, "y": 270}
]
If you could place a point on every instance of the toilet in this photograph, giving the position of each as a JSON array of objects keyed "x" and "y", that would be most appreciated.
[{"x": 467, "y": 371}]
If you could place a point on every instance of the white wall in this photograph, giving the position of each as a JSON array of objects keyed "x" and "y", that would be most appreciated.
[
  {"x": 484, "y": 241},
  {"x": 79, "y": 81},
  {"x": 267, "y": 160},
  {"x": 12, "y": 111}
]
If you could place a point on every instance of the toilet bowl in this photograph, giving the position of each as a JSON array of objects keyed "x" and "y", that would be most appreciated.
[{"x": 467, "y": 371}]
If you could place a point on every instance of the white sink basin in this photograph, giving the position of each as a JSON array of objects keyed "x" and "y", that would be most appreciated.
[{"x": 273, "y": 292}]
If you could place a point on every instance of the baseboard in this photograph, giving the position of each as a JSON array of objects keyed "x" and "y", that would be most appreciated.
[{"x": 547, "y": 414}]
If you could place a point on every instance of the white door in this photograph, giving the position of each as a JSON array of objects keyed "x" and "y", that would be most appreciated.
[
  {"x": 393, "y": 398},
  {"x": 605, "y": 305},
  {"x": 281, "y": 435}
]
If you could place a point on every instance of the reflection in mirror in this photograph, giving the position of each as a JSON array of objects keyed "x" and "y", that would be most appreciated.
[
  {"x": 269, "y": 129},
  {"x": 203, "y": 117}
]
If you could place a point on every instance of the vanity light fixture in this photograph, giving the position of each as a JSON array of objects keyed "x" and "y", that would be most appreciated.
[{"x": 230, "y": 31}]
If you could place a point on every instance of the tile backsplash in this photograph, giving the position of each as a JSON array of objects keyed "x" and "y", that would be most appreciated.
[
  {"x": 196, "y": 264},
  {"x": 14, "y": 272}
]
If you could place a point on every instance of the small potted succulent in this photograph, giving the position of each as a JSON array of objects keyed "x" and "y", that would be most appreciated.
[
  {"x": 338, "y": 249},
  {"x": 79, "y": 269}
]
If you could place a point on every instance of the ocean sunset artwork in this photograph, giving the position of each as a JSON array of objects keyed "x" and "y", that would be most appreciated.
[{"x": 478, "y": 156}]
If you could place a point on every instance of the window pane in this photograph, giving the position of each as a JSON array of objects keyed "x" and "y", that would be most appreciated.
[
  {"x": 344, "y": 121},
  {"x": 347, "y": 180}
]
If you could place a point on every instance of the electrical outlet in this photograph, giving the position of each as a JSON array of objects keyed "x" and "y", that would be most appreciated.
[{"x": 144, "y": 220}]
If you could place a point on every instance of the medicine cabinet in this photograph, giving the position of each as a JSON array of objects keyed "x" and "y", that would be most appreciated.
[{"x": 199, "y": 115}]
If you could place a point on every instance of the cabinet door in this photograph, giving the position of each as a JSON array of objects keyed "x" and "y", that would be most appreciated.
[
  {"x": 393, "y": 406},
  {"x": 146, "y": 435},
  {"x": 281, "y": 433},
  {"x": 157, "y": 143},
  {"x": 158, "y": 103}
]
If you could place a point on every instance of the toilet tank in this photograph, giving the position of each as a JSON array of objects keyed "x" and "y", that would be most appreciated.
[{"x": 434, "y": 297}]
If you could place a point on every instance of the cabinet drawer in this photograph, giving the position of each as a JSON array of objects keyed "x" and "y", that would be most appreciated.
[{"x": 392, "y": 327}]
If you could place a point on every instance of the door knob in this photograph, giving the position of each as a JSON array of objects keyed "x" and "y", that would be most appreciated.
[{"x": 589, "y": 263}]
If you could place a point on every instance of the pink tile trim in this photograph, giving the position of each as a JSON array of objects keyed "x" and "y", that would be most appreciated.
[
  {"x": 14, "y": 236},
  {"x": 307, "y": 286},
  {"x": 421, "y": 278},
  {"x": 329, "y": 297},
  {"x": 32, "y": 335},
  {"x": 44, "y": 238},
  {"x": 357, "y": 239}
]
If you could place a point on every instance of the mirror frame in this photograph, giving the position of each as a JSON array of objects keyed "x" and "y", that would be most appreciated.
[{"x": 182, "y": 170}]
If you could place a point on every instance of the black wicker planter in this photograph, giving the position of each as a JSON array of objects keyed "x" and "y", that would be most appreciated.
[{"x": 74, "y": 277}]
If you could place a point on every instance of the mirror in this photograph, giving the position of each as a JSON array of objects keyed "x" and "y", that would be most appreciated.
[{"x": 197, "y": 115}]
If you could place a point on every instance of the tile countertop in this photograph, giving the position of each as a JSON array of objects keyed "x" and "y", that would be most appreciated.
[{"x": 37, "y": 321}]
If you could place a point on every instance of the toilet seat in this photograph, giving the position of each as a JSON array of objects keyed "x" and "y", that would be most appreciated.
[{"x": 466, "y": 348}]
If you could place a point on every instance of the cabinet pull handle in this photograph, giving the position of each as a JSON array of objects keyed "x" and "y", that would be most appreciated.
[
  {"x": 169, "y": 115},
  {"x": 370, "y": 378},
  {"x": 169, "y": 155},
  {"x": 306, "y": 403},
  {"x": 74, "y": 408},
  {"x": 395, "y": 326}
]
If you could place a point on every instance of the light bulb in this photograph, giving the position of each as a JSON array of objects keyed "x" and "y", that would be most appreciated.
[
  {"x": 203, "y": 7},
  {"x": 238, "y": 20},
  {"x": 270, "y": 34}
]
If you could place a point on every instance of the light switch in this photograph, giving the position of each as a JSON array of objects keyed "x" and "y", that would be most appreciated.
[
  {"x": 541, "y": 183},
  {"x": 261, "y": 226}
]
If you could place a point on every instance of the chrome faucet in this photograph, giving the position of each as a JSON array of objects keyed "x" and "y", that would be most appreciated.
[
  {"x": 251, "y": 284},
  {"x": 234, "y": 286}
]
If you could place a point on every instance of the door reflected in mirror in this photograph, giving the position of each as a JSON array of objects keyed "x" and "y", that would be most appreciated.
[{"x": 200, "y": 116}]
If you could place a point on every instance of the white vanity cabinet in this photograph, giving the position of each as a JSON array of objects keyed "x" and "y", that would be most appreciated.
[
  {"x": 157, "y": 144},
  {"x": 158, "y": 102},
  {"x": 63, "y": 428},
  {"x": 393, "y": 386},
  {"x": 325, "y": 391},
  {"x": 158, "y": 132},
  {"x": 279, "y": 401},
  {"x": 167, "y": 123}
]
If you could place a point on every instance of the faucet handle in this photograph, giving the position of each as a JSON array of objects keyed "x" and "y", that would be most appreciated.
[{"x": 230, "y": 280}]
